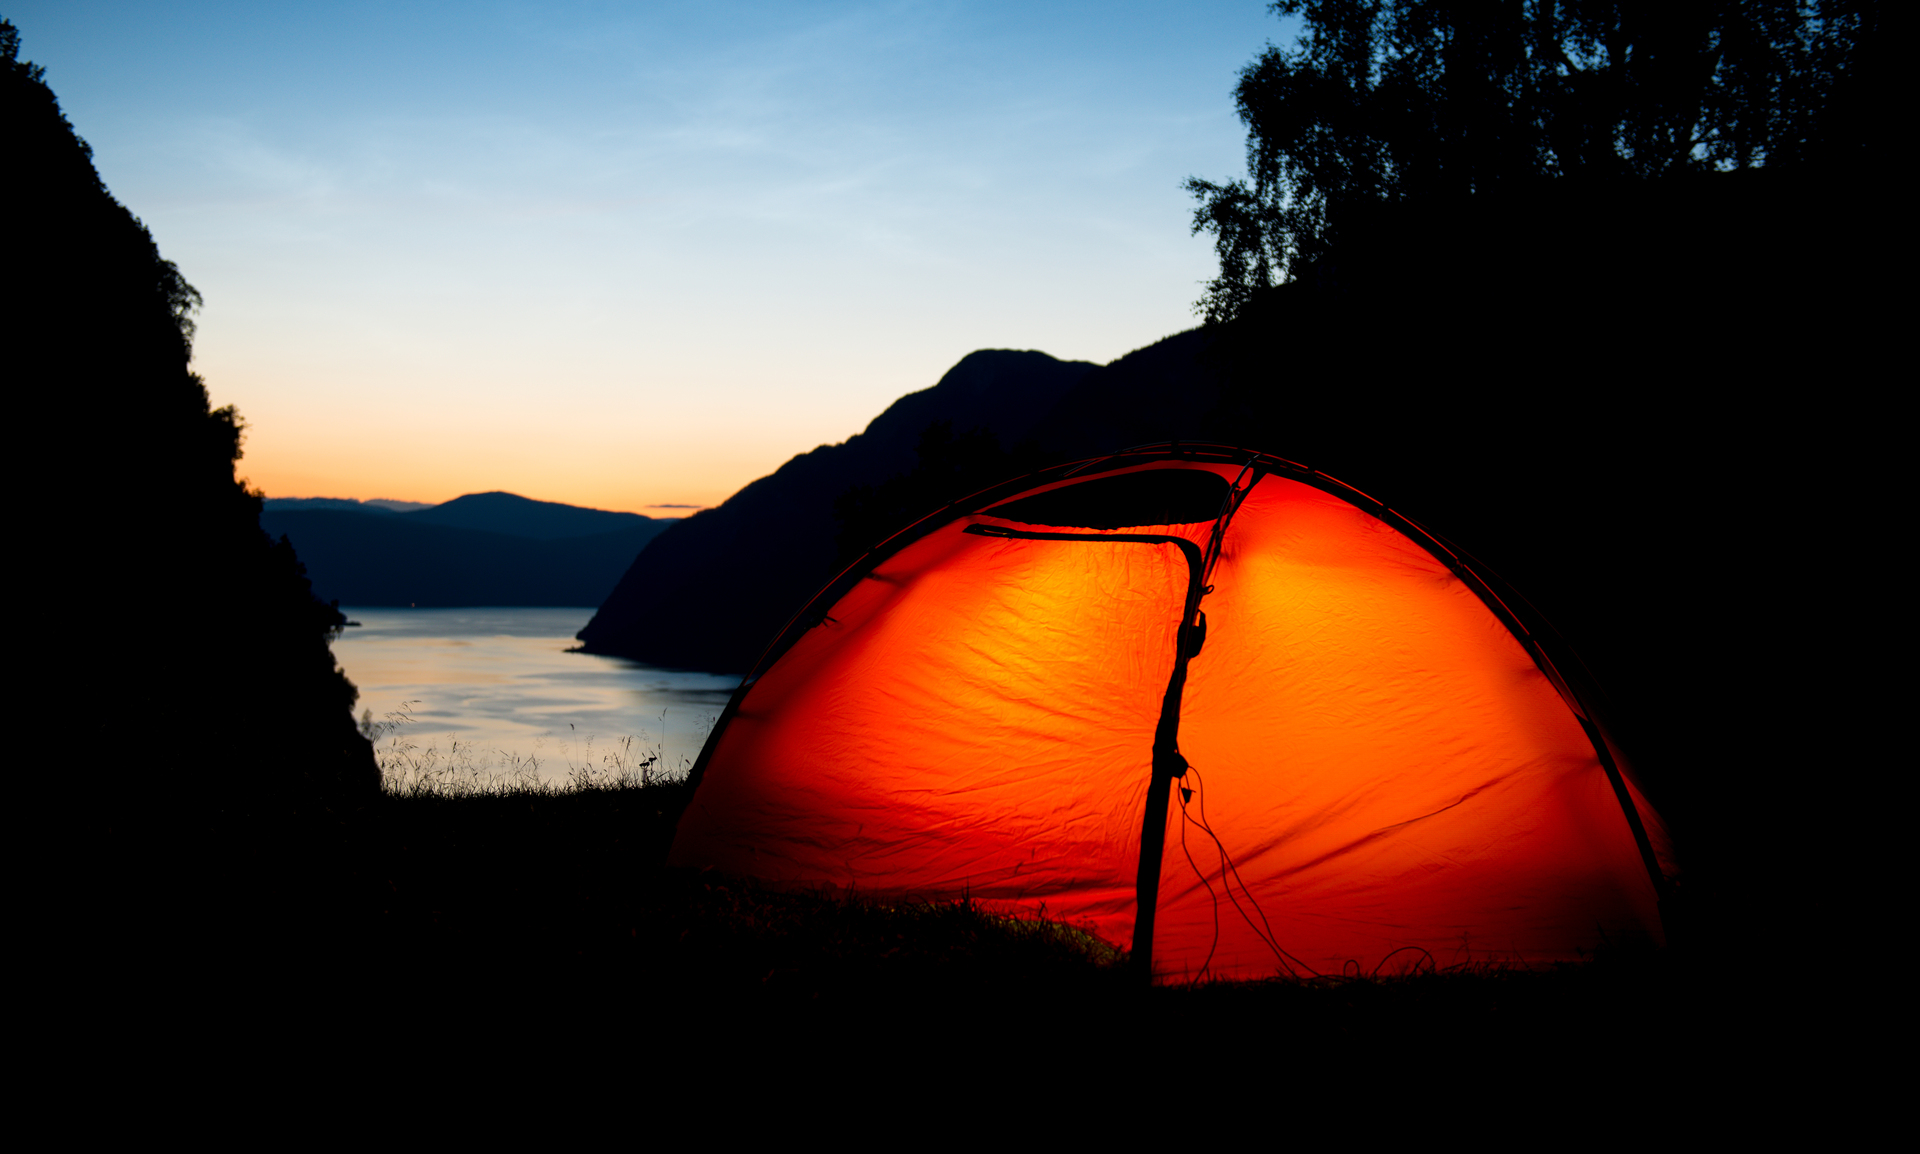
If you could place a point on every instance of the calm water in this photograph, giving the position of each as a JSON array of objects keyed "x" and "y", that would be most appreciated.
[{"x": 493, "y": 692}]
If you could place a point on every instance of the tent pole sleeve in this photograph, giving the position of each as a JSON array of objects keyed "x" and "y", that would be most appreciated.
[
  {"x": 1467, "y": 571},
  {"x": 1661, "y": 887},
  {"x": 1167, "y": 765}
]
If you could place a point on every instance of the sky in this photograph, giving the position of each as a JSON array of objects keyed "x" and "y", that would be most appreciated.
[{"x": 633, "y": 256}]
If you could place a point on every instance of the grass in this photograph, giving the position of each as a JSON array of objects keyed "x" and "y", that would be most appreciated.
[
  {"x": 409, "y": 769},
  {"x": 476, "y": 887}
]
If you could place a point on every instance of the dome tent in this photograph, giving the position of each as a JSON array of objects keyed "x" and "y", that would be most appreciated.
[{"x": 1204, "y": 701}]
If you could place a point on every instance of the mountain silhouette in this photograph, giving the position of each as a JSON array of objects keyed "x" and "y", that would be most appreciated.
[
  {"x": 712, "y": 590},
  {"x": 540, "y": 520},
  {"x": 480, "y": 549}
]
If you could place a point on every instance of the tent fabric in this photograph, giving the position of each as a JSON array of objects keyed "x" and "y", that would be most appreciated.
[{"x": 1378, "y": 765}]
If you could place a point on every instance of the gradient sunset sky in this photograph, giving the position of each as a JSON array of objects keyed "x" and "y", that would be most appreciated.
[{"x": 637, "y": 255}]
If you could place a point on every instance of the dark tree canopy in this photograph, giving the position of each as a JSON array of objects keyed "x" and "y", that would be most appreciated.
[
  {"x": 1388, "y": 102},
  {"x": 182, "y": 657}
]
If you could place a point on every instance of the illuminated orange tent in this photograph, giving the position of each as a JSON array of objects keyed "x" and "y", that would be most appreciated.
[{"x": 1207, "y": 703}]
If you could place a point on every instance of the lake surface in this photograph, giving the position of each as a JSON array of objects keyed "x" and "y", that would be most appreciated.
[{"x": 494, "y": 693}]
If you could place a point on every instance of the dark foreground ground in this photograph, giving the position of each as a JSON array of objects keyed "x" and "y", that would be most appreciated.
[{"x": 509, "y": 916}]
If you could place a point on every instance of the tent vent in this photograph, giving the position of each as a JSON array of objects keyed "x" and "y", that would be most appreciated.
[{"x": 1152, "y": 497}]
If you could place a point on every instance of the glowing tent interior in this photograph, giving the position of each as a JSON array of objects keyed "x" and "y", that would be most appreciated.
[{"x": 1205, "y": 702}]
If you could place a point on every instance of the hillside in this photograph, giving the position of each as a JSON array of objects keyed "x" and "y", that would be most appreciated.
[
  {"x": 224, "y": 740},
  {"x": 480, "y": 549},
  {"x": 518, "y": 516},
  {"x": 711, "y": 591},
  {"x": 366, "y": 559},
  {"x": 100, "y": 340}
]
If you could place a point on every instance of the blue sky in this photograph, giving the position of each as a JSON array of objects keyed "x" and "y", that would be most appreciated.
[{"x": 628, "y": 255}]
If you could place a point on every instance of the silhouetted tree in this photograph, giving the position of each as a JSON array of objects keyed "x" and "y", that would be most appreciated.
[
  {"x": 1387, "y": 102},
  {"x": 182, "y": 662}
]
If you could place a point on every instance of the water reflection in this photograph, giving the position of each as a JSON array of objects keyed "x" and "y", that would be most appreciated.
[{"x": 498, "y": 687}]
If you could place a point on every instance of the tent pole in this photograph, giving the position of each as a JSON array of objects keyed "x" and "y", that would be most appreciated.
[
  {"x": 1153, "y": 846},
  {"x": 1167, "y": 765}
]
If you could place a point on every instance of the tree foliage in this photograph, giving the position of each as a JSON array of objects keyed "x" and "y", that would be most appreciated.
[
  {"x": 1385, "y": 102},
  {"x": 201, "y": 613}
]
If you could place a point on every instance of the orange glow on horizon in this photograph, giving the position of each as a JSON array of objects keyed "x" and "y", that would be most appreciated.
[
  {"x": 664, "y": 460},
  {"x": 299, "y": 474}
]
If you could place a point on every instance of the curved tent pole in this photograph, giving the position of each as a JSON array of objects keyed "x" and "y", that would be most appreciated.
[
  {"x": 1482, "y": 579},
  {"x": 1475, "y": 575}
]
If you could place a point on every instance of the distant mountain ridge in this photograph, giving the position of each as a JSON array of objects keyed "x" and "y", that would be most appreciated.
[
  {"x": 479, "y": 549},
  {"x": 517, "y": 516},
  {"x": 373, "y": 505},
  {"x": 490, "y": 512}
]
